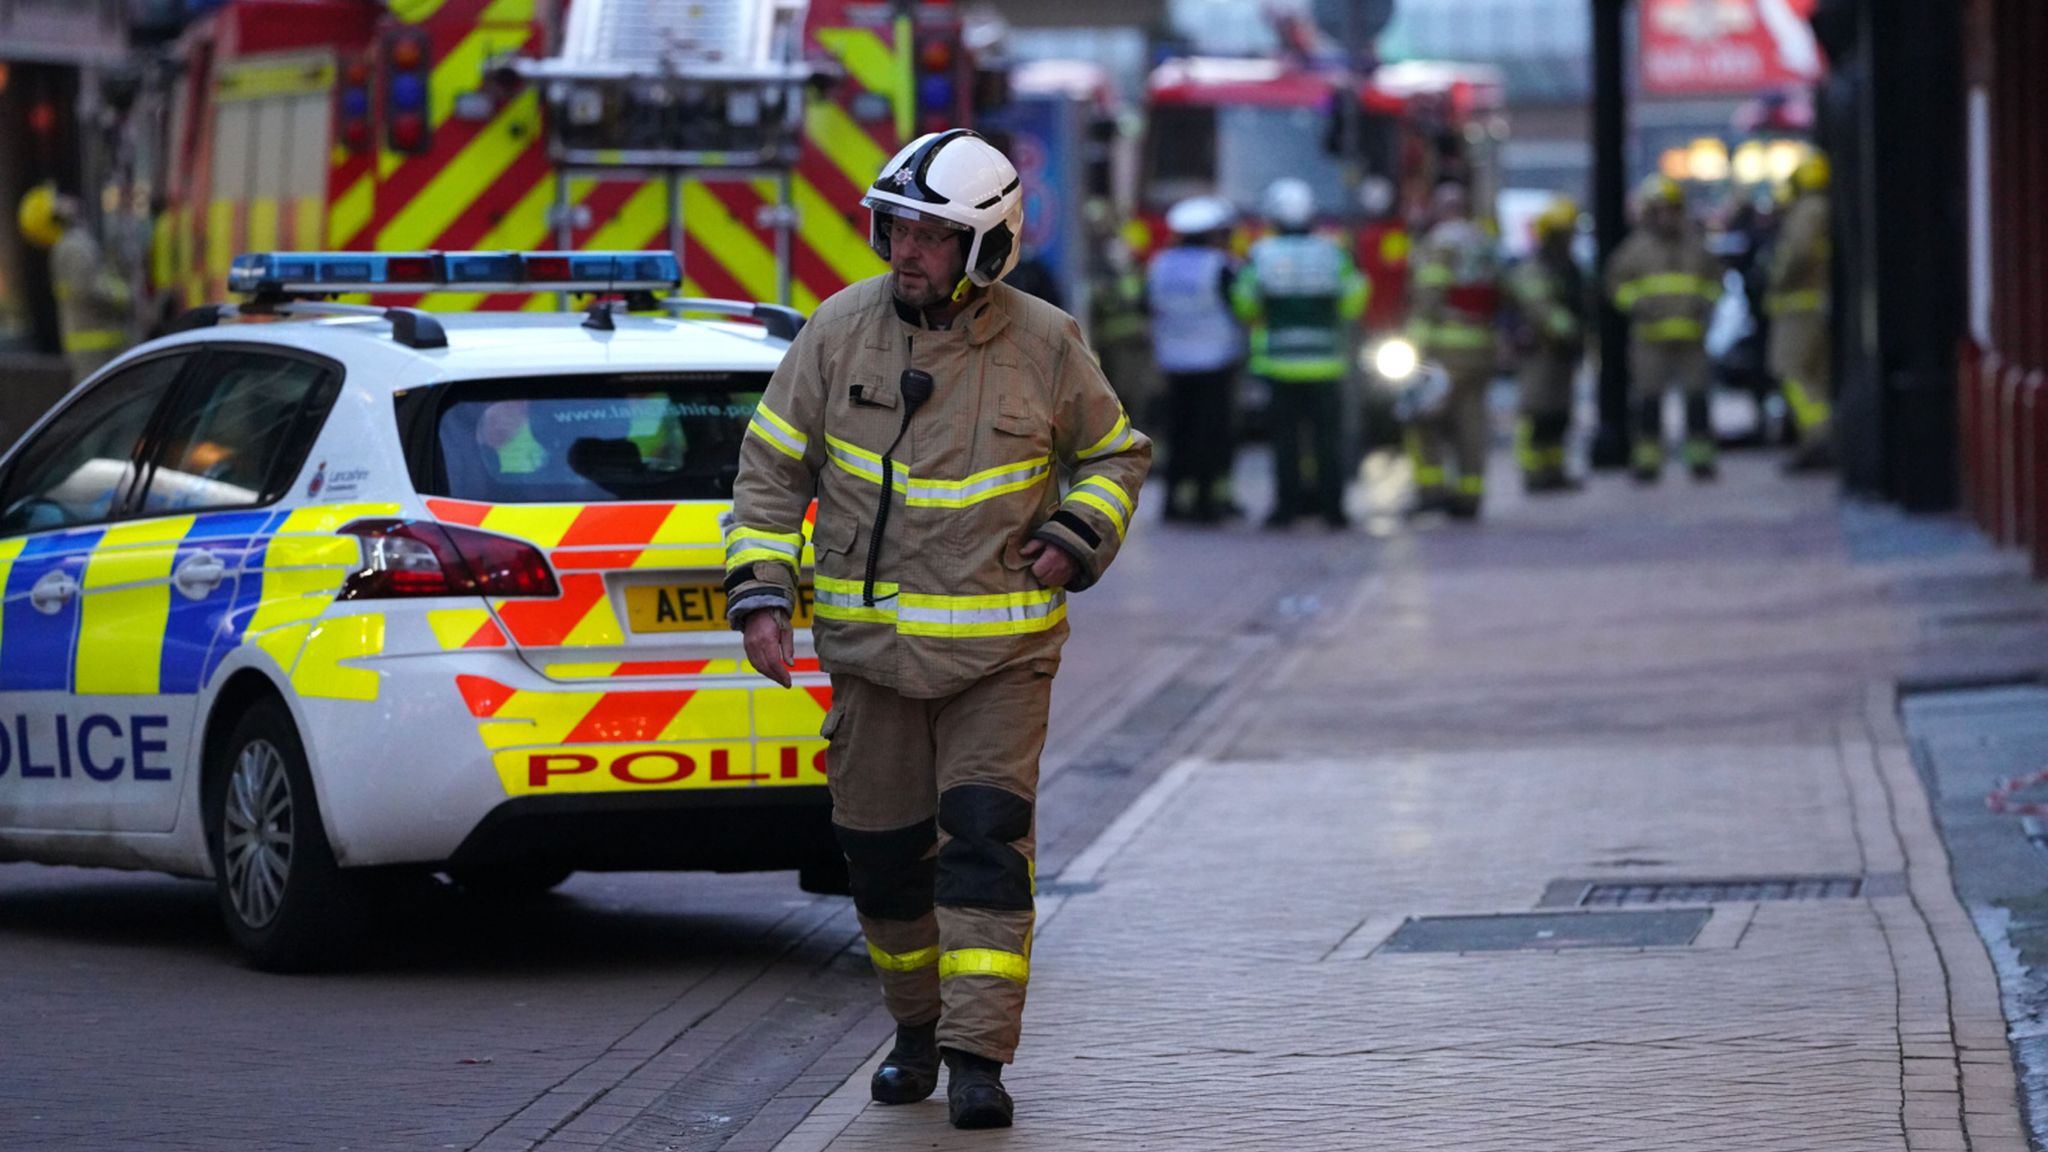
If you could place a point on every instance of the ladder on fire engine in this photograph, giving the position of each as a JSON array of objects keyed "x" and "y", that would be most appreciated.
[{"x": 698, "y": 89}]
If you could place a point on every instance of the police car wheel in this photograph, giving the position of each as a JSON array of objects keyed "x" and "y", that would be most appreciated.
[
  {"x": 283, "y": 898},
  {"x": 510, "y": 882}
]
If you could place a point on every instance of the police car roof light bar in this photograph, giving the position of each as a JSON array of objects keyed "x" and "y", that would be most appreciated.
[{"x": 300, "y": 274}]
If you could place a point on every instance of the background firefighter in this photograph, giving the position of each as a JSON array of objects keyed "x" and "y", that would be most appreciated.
[
  {"x": 1453, "y": 311},
  {"x": 1663, "y": 279},
  {"x": 94, "y": 304},
  {"x": 945, "y": 547},
  {"x": 1550, "y": 290},
  {"x": 1797, "y": 301}
]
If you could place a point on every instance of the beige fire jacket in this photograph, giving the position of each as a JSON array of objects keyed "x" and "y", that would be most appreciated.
[{"x": 1022, "y": 437}]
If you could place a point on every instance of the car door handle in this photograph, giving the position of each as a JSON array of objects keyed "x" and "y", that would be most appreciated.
[
  {"x": 200, "y": 574},
  {"x": 53, "y": 592}
]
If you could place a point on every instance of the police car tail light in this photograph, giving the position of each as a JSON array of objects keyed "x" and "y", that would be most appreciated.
[{"x": 403, "y": 558}]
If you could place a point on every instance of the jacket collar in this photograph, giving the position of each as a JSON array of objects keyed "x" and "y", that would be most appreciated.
[{"x": 981, "y": 320}]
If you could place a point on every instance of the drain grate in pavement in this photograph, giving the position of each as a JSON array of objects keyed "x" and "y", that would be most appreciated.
[
  {"x": 1734, "y": 890},
  {"x": 1548, "y": 931}
]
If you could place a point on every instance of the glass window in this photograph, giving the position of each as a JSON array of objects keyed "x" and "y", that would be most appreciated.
[
  {"x": 655, "y": 436},
  {"x": 79, "y": 466},
  {"x": 222, "y": 444},
  {"x": 1180, "y": 155}
]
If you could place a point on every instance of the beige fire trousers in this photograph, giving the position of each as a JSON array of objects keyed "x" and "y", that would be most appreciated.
[{"x": 932, "y": 801}]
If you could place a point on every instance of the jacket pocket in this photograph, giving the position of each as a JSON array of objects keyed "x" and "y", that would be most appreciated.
[{"x": 1017, "y": 416}]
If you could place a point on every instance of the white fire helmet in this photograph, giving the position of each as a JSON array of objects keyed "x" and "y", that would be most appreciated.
[
  {"x": 1290, "y": 203},
  {"x": 1198, "y": 215},
  {"x": 954, "y": 178}
]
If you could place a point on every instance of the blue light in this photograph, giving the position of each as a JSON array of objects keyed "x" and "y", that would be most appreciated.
[
  {"x": 484, "y": 267},
  {"x": 355, "y": 102},
  {"x": 408, "y": 92},
  {"x": 326, "y": 273},
  {"x": 935, "y": 93}
]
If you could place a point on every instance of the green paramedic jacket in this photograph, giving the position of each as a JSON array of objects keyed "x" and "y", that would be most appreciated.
[{"x": 1300, "y": 295}]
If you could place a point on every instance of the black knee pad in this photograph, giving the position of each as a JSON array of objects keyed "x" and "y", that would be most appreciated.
[
  {"x": 978, "y": 868},
  {"x": 890, "y": 873}
]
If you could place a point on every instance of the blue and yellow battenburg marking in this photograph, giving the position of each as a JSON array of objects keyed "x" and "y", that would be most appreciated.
[{"x": 129, "y": 629}]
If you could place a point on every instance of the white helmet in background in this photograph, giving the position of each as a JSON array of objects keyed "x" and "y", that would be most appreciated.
[
  {"x": 958, "y": 179},
  {"x": 1198, "y": 215},
  {"x": 1290, "y": 203}
]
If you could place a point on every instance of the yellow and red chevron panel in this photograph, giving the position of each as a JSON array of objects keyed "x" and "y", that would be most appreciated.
[
  {"x": 583, "y": 542},
  {"x": 554, "y": 742}
]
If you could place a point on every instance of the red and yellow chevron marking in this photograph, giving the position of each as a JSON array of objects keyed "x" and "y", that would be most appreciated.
[
  {"x": 583, "y": 541},
  {"x": 489, "y": 184},
  {"x": 547, "y": 743},
  {"x": 628, "y": 668}
]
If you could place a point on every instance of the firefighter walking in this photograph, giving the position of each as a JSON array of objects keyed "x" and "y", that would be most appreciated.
[
  {"x": 1453, "y": 309},
  {"x": 933, "y": 413},
  {"x": 94, "y": 305},
  {"x": 1797, "y": 302},
  {"x": 1663, "y": 279},
  {"x": 1198, "y": 347},
  {"x": 1302, "y": 296},
  {"x": 1551, "y": 293}
]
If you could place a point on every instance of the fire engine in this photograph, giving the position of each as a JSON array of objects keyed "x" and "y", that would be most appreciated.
[
  {"x": 737, "y": 133},
  {"x": 1228, "y": 126}
]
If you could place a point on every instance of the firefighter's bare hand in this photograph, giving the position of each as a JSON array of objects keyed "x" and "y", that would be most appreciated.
[
  {"x": 771, "y": 645},
  {"x": 1053, "y": 567}
]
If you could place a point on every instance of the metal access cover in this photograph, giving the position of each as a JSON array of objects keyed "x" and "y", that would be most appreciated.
[
  {"x": 1727, "y": 890},
  {"x": 1549, "y": 931}
]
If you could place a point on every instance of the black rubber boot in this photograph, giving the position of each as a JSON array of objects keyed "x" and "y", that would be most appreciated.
[
  {"x": 974, "y": 1091},
  {"x": 910, "y": 1072}
]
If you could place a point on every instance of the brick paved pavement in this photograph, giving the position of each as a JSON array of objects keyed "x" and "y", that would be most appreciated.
[{"x": 1676, "y": 683}]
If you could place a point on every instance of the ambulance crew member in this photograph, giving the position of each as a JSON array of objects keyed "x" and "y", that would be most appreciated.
[
  {"x": 1198, "y": 346},
  {"x": 1302, "y": 296},
  {"x": 1551, "y": 294},
  {"x": 971, "y": 466},
  {"x": 1665, "y": 282},
  {"x": 1451, "y": 321}
]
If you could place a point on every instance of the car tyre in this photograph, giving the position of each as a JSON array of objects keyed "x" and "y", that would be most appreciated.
[{"x": 286, "y": 904}]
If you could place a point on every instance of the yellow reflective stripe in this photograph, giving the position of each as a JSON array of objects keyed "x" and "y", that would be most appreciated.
[
  {"x": 481, "y": 163},
  {"x": 1472, "y": 485},
  {"x": 1809, "y": 410},
  {"x": 1673, "y": 328},
  {"x": 1455, "y": 335},
  {"x": 94, "y": 339},
  {"x": 1015, "y": 619},
  {"x": 747, "y": 545},
  {"x": 734, "y": 245},
  {"x": 1802, "y": 300},
  {"x": 1091, "y": 492},
  {"x": 836, "y": 599},
  {"x": 903, "y": 961},
  {"x": 1434, "y": 275},
  {"x": 1117, "y": 440},
  {"x": 920, "y": 492},
  {"x": 415, "y": 11},
  {"x": 779, "y": 433},
  {"x": 260, "y": 218},
  {"x": 270, "y": 79},
  {"x": 984, "y": 962},
  {"x": 460, "y": 69}
]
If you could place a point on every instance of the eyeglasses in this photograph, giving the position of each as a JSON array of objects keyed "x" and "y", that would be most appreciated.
[{"x": 920, "y": 236}]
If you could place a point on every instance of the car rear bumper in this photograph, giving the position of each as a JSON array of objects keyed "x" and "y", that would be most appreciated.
[{"x": 721, "y": 832}]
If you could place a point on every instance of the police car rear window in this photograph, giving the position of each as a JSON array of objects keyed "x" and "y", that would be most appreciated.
[{"x": 669, "y": 436}]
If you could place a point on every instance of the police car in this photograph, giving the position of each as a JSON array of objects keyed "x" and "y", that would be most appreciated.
[{"x": 294, "y": 604}]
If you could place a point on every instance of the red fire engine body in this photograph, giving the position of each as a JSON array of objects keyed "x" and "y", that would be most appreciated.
[
  {"x": 1230, "y": 126},
  {"x": 353, "y": 125}
]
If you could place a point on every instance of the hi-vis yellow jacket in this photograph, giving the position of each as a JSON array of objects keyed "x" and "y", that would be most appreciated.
[
  {"x": 1022, "y": 437},
  {"x": 1667, "y": 288}
]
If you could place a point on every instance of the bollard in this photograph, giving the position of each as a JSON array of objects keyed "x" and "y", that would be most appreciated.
[
  {"x": 2026, "y": 460},
  {"x": 1982, "y": 444},
  {"x": 1968, "y": 360}
]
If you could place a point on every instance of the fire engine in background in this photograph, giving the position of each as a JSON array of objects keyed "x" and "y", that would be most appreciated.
[
  {"x": 505, "y": 124},
  {"x": 1228, "y": 126}
]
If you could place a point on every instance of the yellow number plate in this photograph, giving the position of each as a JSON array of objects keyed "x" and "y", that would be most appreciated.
[{"x": 691, "y": 608}]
